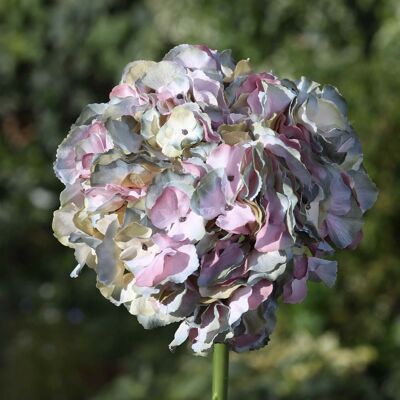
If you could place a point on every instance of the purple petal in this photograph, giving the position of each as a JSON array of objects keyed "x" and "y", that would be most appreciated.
[
  {"x": 344, "y": 229},
  {"x": 295, "y": 290},
  {"x": 322, "y": 270},
  {"x": 208, "y": 199},
  {"x": 218, "y": 264},
  {"x": 340, "y": 195},
  {"x": 365, "y": 189}
]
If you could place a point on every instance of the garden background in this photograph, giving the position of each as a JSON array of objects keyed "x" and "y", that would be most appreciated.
[{"x": 59, "y": 339}]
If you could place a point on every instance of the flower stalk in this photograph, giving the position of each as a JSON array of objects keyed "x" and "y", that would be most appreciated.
[{"x": 220, "y": 372}]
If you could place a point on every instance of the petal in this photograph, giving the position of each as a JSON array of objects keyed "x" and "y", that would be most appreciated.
[
  {"x": 80, "y": 141},
  {"x": 321, "y": 114},
  {"x": 181, "y": 129},
  {"x": 192, "y": 228},
  {"x": 322, "y": 270},
  {"x": 171, "y": 205},
  {"x": 194, "y": 166},
  {"x": 205, "y": 89},
  {"x": 219, "y": 264},
  {"x": 343, "y": 229},
  {"x": 248, "y": 298},
  {"x": 136, "y": 70},
  {"x": 278, "y": 99},
  {"x": 230, "y": 159},
  {"x": 237, "y": 219},
  {"x": 340, "y": 194},
  {"x": 183, "y": 182},
  {"x": 255, "y": 328},
  {"x": 273, "y": 235},
  {"x": 123, "y": 136},
  {"x": 214, "y": 321},
  {"x": 191, "y": 57},
  {"x": 295, "y": 291},
  {"x": 272, "y": 264},
  {"x": 169, "y": 266},
  {"x": 292, "y": 156},
  {"x": 108, "y": 265},
  {"x": 181, "y": 334},
  {"x": 162, "y": 74},
  {"x": 208, "y": 199},
  {"x": 124, "y": 90},
  {"x": 365, "y": 189}
]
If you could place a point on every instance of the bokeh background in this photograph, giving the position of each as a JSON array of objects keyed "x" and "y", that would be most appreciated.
[{"x": 59, "y": 339}]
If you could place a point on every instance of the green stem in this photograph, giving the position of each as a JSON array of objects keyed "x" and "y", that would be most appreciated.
[{"x": 220, "y": 372}]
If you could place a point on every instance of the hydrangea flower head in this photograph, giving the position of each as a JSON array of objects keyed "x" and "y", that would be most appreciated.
[{"x": 202, "y": 192}]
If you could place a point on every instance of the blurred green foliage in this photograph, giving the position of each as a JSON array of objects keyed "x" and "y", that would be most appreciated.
[{"x": 59, "y": 338}]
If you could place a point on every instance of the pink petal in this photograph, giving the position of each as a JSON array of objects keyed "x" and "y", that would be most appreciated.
[
  {"x": 248, "y": 298},
  {"x": 171, "y": 205},
  {"x": 273, "y": 235},
  {"x": 193, "y": 168},
  {"x": 228, "y": 158},
  {"x": 253, "y": 82},
  {"x": 110, "y": 197},
  {"x": 205, "y": 89},
  {"x": 237, "y": 219},
  {"x": 254, "y": 102},
  {"x": 169, "y": 266},
  {"x": 123, "y": 90}
]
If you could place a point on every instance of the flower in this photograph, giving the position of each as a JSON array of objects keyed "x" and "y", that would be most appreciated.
[{"x": 203, "y": 192}]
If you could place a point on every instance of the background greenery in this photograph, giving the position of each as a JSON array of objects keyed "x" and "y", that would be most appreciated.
[{"x": 59, "y": 338}]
